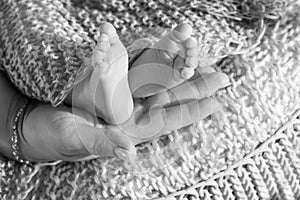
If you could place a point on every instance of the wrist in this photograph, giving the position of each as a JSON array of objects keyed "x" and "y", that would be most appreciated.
[
  {"x": 17, "y": 132},
  {"x": 17, "y": 103},
  {"x": 22, "y": 140}
]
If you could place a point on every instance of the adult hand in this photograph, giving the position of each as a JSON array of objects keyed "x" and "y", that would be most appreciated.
[{"x": 71, "y": 134}]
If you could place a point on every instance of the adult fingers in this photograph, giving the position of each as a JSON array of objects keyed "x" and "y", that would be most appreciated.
[
  {"x": 161, "y": 120},
  {"x": 98, "y": 140},
  {"x": 48, "y": 134},
  {"x": 106, "y": 142},
  {"x": 63, "y": 133},
  {"x": 199, "y": 88},
  {"x": 185, "y": 114}
]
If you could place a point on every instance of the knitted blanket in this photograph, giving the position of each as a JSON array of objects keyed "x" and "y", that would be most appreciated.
[{"x": 249, "y": 150}]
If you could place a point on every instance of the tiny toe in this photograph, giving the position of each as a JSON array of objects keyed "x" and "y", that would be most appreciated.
[
  {"x": 181, "y": 32},
  {"x": 187, "y": 73},
  {"x": 103, "y": 37},
  {"x": 110, "y": 31},
  {"x": 181, "y": 70},
  {"x": 98, "y": 56},
  {"x": 191, "y": 43},
  {"x": 192, "y": 52},
  {"x": 100, "y": 50},
  {"x": 103, "y": 46},
  {"x": 192, "y": 62}
]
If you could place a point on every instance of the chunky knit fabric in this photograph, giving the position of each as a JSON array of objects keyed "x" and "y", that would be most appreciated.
[
  {"x": 46, "y": 45},
  {"x": 249, "y": 150}
]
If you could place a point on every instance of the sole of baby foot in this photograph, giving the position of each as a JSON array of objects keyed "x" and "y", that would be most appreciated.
[
  {"x": 171, "y": 61},
  {"x": 114, "y": 102},
  {"x": 106, "y": 90}
]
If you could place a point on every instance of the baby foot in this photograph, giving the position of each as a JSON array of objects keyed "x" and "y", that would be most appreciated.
[
  {"x": 106, "y": 90},
  {"x": 171, "y": 61},
  {"x": 113, "y": 97}
]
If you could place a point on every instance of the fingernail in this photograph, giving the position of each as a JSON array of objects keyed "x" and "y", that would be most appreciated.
[
  {"x": 122, "y": 154},
  {"x": 224, "y": 78}
]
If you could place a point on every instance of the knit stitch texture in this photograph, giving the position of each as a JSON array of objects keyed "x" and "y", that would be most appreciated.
[{"x": 249, "y": 150}]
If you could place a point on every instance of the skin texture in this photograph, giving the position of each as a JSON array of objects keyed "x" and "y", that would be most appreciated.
[
  {"x": 106, "y": 91},
  {"x": 171, "y": 61},
  {"x": 74, "y": 134}
]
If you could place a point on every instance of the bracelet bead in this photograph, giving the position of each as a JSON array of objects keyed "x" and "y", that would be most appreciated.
[{"x": 15, "y": 136}]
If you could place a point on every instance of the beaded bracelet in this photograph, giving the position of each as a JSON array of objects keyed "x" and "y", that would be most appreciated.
[{"x": 15, "y": 136}]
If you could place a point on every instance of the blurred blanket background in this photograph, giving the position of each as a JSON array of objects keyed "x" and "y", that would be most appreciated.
[{"x": 249, "y": 150}]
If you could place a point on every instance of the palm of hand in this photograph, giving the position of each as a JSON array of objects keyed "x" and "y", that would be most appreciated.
[{"x": 65, "y": 133}]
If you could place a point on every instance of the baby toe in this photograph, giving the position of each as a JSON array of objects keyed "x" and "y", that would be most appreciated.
[
  {"x": 190, "y": 43},
  {"x": 187, "y": 73},
  {"x": 192, "y": 52},
  {"x": 100, "y": 50},
  {"x": 110, "y": 31},
  {"x": 181, "y": 70},
  {"x": 97, "y": 57},
  {"x": 181, "y": 32},
  {"x": 103, "y": 46},
  {"x": 103, "y": 37}
]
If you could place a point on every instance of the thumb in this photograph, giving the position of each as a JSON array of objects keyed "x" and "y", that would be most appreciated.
[{"x": 106, "y": 142}]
